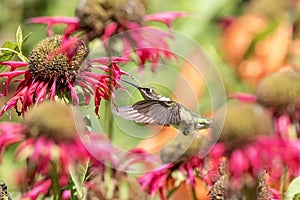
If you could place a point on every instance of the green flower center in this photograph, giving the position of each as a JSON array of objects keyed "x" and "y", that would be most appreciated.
[
  {"x": 64, "y": 127},
  {"x": 243, "y": 122},
  {"x": 280, "y": 91}
]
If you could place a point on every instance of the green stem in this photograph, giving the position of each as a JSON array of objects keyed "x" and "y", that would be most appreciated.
[
  {"x": 194, "y": 194},
  {"x": 110, "y": 90},
  {"x": 172, "y": 192},
  {"x": 283, "y": 183},
  {"x": 54, "y": 181},
  {"x": 109, "y": 116}
]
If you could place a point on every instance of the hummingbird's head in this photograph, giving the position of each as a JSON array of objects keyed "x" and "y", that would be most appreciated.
[
  {"x": 203, "y": 123},
  {"x": 149, "y": 93}
]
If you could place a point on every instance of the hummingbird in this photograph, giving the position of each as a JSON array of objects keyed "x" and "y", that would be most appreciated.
[{"x": 156, "y": 109}]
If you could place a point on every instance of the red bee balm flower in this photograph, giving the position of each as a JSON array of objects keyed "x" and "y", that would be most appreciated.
[
  {"x": 56, "y": 65},
  {"x": 251, "y": 145},
  {"x": 49, "y": 146},
  {"x": 185, "y": 167},
  {"x": 107, "y": 18}
]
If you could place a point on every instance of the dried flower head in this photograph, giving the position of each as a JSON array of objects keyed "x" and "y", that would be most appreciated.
[
  {"x": 220, "y": 187},
  {"x": 96, "y": 15},
  {"x": 119, "y": 185},
  {"x": 263, "y": 190}
]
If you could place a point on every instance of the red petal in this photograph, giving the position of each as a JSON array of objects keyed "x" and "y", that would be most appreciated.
[
  {"x": 41, "y": 92},
  {"x": 165, "y": 17},
  {"x": 109, "y": 31},
  {"x": 73, "y": 94},
  {"x": 14, "y": 64},
  {"x": 71, "y": 22},
  {"x": 243, "y": 97},
  {"x": 54, "y": 20}
]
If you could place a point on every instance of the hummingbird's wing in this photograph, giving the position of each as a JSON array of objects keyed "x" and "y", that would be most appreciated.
[{"x": 152, "y": 112}]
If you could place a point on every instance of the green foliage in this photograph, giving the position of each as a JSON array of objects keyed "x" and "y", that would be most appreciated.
[
  {"x": 78, "y": 176},
  {"x": 10, "y": 49},
  {"x": 293, "y": 192}
]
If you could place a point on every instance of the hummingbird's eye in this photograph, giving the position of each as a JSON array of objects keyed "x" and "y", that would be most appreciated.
[{"x": 148, "y": 89}]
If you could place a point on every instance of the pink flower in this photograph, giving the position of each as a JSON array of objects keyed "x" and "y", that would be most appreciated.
[
  {"x": 148, "y": 43},
  {"x": 42, "y": 154},
  {"x": 50, "y": 148},
  {"x": 282, "y": 121},
  {"x": 250, "y": 145},
  {"x": 108, "y": 160},
  {"x": 71, "y": 22},
  {"x": 40, "y": 188},
  {"x": 156, "y": 180},
  {"x": 270, "y": 153},
  {"x": 56, "y": 65},
  {"x": 282, "y": 100},
  {"x": 103, "y": 152},
  {"x": 10, "y": 135}
]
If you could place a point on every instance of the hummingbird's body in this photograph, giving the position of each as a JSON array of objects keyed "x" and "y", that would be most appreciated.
[{"x": 159, "y": 110}]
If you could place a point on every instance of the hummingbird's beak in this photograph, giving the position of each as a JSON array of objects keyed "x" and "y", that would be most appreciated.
[{"x": 130, "y": 83}]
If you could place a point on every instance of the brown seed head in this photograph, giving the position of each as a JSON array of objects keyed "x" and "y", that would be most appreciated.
[
  {"x": 97, "y": 14},
  {"x": 46, "y": 63}
]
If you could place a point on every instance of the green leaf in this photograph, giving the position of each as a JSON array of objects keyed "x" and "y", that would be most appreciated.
[
  {"x": 109, "y": 184},
  {"x": 293, "y": 192},
  {"x": 259, "y": 37},
  {"x": 124, "y": 190},
  {"x": 8, "y": 45},
  {"x": 26, "y": 37},
  {"x": 297, "y": 196},
  {"x": 5, "y": 57},
  {"x": 2, "y": 68},
  {"x": 7, "y": 51},
  {"x": 78, "y": 177},
  {"x": 19, "y": 38}
]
